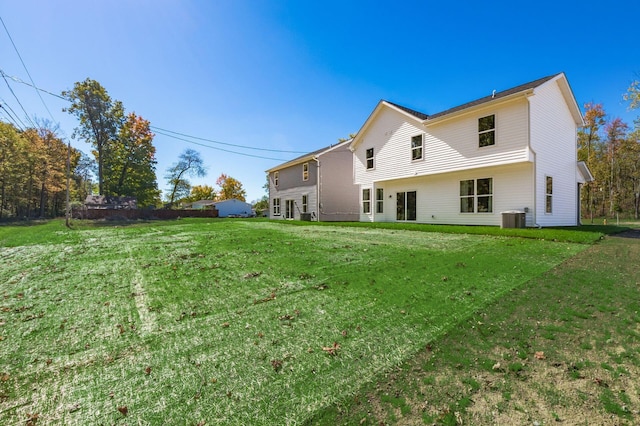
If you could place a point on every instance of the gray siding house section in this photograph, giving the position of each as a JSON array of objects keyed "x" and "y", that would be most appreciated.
[{"x": 316, "y": 186}]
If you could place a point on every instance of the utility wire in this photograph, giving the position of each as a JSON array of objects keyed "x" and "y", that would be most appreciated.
[
  {"x": 177, "y": 135},
  {"x": 216, "y": 148},
  {"x": 224, "y": 143},
  {"x": 14, "y": 118},
  {"x": 25, "y": 68},
  {"x": 19, "y": 103},
  {"x": 17, "y": 80}
]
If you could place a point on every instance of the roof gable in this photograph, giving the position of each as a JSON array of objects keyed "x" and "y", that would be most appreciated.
[
  {"x": 308, "y": 157},
  {"x": 494, "y": 97},
  {"x": 382, "y": 105}
]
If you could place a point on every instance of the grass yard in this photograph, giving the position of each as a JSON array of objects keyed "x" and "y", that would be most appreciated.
[
  {"x": 250, "y": 322},
  {"x": 563, "y": 348}
]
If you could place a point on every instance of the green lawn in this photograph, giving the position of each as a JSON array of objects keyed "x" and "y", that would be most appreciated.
[{"x": 234, "y": 322}]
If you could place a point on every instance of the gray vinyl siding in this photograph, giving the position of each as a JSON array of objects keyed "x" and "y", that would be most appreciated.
[
  {"x": 330, "y": 178},
  {"x": 338, "y": 193}
]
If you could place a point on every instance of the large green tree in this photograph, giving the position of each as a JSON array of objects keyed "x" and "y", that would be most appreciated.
[
  {"x": 100, "y": 119},
  {"x": 130, "y": 167}
]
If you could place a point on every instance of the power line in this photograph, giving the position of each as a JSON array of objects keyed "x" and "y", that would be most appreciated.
[
  {"x": 19, "y": 103},
  {"x": 225, "y": 143},
  {"x": 17, "y": 80},
  {"x": 25, "y": 68},
  {"x": 216, "y": 148},
  {"x": 178, "y": 135},
  {"x": 14, "y": 118}
]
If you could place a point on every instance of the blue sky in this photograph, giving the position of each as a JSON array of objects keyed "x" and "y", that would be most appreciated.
[{"x": 298, "y": 75}]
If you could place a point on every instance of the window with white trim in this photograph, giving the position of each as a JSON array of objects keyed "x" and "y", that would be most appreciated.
[
  {"x": 379, "y": 200},
  {"x": 549, "y": 195},
  {"x": 369, "y": 158},
  {"x": 305, "y": 203},
  {"x": 476, "y": 195},
  {"x": 276, "y": 206},
  {"x": 366, "y": 200},
  {"x": 487, "y": 131},
  {"x": 305, "y": 171},
  {"x": 276, "y": 178},
  {"x": 416, "y": 147}
]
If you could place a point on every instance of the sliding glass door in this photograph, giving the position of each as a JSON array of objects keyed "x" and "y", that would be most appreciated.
[{"x": 406, "y": 205}]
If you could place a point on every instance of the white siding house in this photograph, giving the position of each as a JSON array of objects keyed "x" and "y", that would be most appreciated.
[{"x": 511, "y": 150}]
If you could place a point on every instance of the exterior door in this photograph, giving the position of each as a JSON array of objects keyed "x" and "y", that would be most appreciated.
[
  {"x": 288, "y": 210},
  {"x": 406, "y": 205}
]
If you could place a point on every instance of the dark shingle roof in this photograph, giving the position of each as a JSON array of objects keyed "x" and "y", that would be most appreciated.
[
  {"x": 413, "y": 112},
  {"x": 308, "y": 155},
  {"x": 498, "y": 95},
  {"x": 504, "y": 93}
]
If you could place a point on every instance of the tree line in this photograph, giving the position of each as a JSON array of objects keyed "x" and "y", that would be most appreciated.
[
  {"x": 34, "y": 161},
  {"x": 611, "y": 149}
]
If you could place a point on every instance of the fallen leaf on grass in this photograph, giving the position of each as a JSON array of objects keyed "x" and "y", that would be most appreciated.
[
  {"x": 124, "y": 410},
  {"x": 601, "y": 382},
  {"x": 32, "y": 419},
  {"x": 276, "y": 364},
  {"x": 332, "y": 350},
  {"x": 147, "y": 370},
  {"x": 74, "y": 408},
  {"x": 539, "y": 355},
  {"x": 225, "y": 325},
  {"x": 252, "y": 275}
]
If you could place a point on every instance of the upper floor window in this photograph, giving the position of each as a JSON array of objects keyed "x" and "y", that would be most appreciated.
[
  {"x": 305, "y": 171},
  {"x": 276, "y": 178},
  {"x": 416, "y": 147},
  {"x": 549, "y": 195},
  {"x": 369, "y": 157},
  {"x": 487, "y": 130},
  {"x": 366, "y": 200},
  {"x": 476, "y": 195}
]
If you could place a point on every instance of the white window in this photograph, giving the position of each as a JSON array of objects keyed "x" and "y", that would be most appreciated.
[
  {"x": 276, "y": 206},
  {"x": 366, "y": 200},
  {"x": 476, "y": 195},
  {"x": 305, "y": 203},
  {"x": 487, "y": 131},
  {"x": 379, "y": 200},
  {"x": 276, "y": 178},
  {"x": 416, "y": 147},
  {"x": 305, "y": 171},
  {"x": 549, "y": 195},
  {"x": 369, "y": 157}
]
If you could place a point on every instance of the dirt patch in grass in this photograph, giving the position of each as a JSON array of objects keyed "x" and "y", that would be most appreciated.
[{"x": 563, "y": 348}]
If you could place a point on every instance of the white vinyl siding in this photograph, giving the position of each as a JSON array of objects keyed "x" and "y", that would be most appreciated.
[
  {"x": 553, "y": 138},
  {"x": 438, "y": 196},
  {"x": 448, "y": 146}
]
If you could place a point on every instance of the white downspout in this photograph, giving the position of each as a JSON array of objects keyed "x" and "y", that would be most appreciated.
[{"x": 535, "y": 167}]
